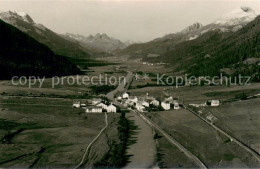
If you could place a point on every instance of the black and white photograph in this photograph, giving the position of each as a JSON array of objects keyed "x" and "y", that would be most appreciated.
[{"x": 130, "y": 84}]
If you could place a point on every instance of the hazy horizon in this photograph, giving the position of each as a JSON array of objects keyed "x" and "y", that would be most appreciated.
[{"x": 126, "y": 20}]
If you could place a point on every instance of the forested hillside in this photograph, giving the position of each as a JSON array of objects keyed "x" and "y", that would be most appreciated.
[
  {"x": 216, "y": 51},
  {"x": 39, "y": 32},
  {"x": 21, "y": 55}
]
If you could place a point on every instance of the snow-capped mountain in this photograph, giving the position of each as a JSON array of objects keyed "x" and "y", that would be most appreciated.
[
  {"x": 230, "y": 22},
  {"x": 130, "y": 42},
  {"x": 188, "y": 33},
  {"x": 17, "y": 18},
  {"x": 239, "y": 16},
  {"x": 59, "y": 45},
  {"x": 100, "y": 41},
  {"x": 12, "y": 17},
  {"x": 192, "y": 28}
]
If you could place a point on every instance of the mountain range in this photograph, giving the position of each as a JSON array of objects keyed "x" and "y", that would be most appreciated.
[
  {"x": 229, "y": 22},
  {"x": 70, "y": 45},
  {"x": 215, "y": 52},
  {"x": 55, "y": 42},
  {"x": 229, "y": 45},
  {"x": 99, "y": 42},
  {"x": 22, "y": 55}
]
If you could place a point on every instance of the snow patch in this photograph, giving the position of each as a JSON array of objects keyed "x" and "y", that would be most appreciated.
[
  {"x": 40, "y": 27},
  {"x": 194, "y": 37},
  {"x": 239, "y": 16},
  {"x": 12, "y": 15}
]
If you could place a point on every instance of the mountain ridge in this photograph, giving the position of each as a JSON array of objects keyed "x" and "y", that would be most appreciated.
[
  {"x": 58, "y": 44},
  {"x": 160, "y": 46},
  {"x": 22, "y": 55},
  {"x": 100, "y": 41}
]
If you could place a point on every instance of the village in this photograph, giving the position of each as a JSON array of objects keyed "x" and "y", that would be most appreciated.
[{"x": 141, "y": 104}]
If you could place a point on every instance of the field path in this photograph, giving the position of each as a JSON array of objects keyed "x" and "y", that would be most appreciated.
[
  {"x": 86, "y": 150},
  {"x": 144, "y": 150}
]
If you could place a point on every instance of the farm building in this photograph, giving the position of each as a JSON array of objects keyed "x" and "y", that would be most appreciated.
[
  {"x": 76, "y": 104},
  {"x": 111, "y": 108},
  {"x": 143, "y": 103},
  {"x": 93, "y": 110},
  {"x": 133, "y": 99},
  {"x": 139, "y": 107},
  {"x": 83, "y": 105},
  {"x": 102, "y": 105},
  {"x": 176, "y": 106},
  {"x": 129, "y": 103},
  {"x": 96, "y": 101},
  {"x": 215, "y": 102},
  {"x": 166, "y": 105},
  {"x": 155, "y": 103},
  {"x": 125, "y": 95}
]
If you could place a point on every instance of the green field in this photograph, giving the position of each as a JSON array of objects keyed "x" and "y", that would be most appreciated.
[
  {"x": 169, "y": 156},
  {"x": 198, "y": 94},
  {"x": 203, "y": 141},
  {"x": 46, "y": 132},
  {"x": 86, "y": 63},
  {"x": 241, "y": 119}
]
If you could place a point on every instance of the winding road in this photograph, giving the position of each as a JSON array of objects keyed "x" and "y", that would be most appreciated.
[{"x": 123, "y": 86}]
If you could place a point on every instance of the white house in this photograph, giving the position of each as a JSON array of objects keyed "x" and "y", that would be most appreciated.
[
  {"x": 76, "y": 104},
  {"x": 166, "y": 105},
  {"x": 133, "y": 99},
  {"x": 143, "y": 103},
  {"x": 176, "y": 106},
  {"x": 83, "y": 105},
  {"x": 102, "y": 105},
  {"x": 119, "y": 98},
  {"x": 111, "y": 108},
  {"x": 93, "y": 110},
  {"x": 171, "y": 100},
  {"x": 95, "y": 101},
  {"x": 125, "y": 95},
  {"x": 215, "y": 102},
  {"x": 198, "y": 104},
  {"x": 129, "y": 102},
  {"x": 139, "y": 107},
  {"x": 155, "y": 102}
]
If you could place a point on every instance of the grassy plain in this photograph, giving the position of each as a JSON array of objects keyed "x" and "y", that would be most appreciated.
[
  {"x": 197, "y": 94},
  {"x": 169, "y": 156},
  {"x": 240, "y": 119},
  {"x": 39, "y": 132},
  {"x": 203, "y": 141},
  {"x": 62, "y": 86}
]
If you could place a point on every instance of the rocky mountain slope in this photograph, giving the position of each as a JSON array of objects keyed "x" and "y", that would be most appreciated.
[
  {"x": 99, "y": 42},
  {"x": 21, "y": 55},
  {"x": 230, "y": 22},
  {"x": 44, "y": 35},
  {"x": 217, "y": 52}
]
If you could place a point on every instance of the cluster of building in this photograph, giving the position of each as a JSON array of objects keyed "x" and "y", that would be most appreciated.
[
  {"x": 142, "y": 104},
  {"x": 213, "y": 103},
  {"x": 96, "y": 105}
]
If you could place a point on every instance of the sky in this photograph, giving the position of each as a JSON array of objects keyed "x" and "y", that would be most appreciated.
[{"x": 136, "y": 20}]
